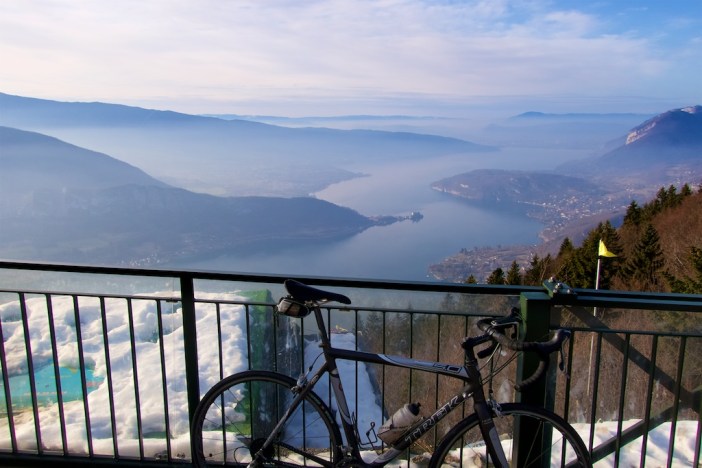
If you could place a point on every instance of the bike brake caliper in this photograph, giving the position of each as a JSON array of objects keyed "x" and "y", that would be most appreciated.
[
  {"x": 495, "y": 407},
  {"x": 301, "y": 383}
]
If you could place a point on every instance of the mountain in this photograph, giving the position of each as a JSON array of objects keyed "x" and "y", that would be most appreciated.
[
  {"x": 60, "y": 202},
  {"x": 675, "y": 128},
  {"x": 223, "y": 157},
  {"x": 664, "y": 150}
]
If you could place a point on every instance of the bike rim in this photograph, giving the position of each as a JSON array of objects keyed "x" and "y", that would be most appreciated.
[
  {"x": 547, "y": 443},
  {"x": 241, "y": 416}
]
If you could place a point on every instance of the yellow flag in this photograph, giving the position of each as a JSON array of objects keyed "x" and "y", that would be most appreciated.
[{"x": 604, "y": 252}]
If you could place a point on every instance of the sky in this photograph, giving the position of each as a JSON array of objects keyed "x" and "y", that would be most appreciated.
[{"x": 341, "y": 57}]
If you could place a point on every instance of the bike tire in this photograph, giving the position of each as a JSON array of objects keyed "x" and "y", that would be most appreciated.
[
  {"x": 237, "y": 415},
  {"x": 463, "y": 445}
]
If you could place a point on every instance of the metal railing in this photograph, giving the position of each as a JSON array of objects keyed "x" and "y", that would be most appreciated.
[{"x": 106, "y": 365}]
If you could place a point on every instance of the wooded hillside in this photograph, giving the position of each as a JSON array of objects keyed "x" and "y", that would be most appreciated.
[{"x": 658, "y": 248}]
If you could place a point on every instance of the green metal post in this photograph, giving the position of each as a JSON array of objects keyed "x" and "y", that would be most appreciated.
[
  {"x": 536, "y": 312},
  {"x": 535, "y": 308}
]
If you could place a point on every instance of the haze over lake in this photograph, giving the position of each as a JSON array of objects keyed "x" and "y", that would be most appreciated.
[{"x": 404, "y": 250}]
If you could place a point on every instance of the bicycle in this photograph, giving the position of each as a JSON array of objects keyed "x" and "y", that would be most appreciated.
[{"x": 259, "y": 418}]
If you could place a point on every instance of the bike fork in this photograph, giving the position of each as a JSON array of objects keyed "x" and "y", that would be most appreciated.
[
  {"x": 301, "y": 392},
  {"x": 490, "y": 435}
]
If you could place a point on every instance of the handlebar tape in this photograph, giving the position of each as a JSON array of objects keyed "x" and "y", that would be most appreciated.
[{"x": 542, "y": 349}]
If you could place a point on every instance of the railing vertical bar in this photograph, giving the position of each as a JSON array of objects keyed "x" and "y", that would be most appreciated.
[
  {"x": 192, "y": 371},
  {"x": 6, "y": 386},
  {"x": 463, "y": 406},
  {"x": 595, "y": 386},
  {"x": 83, "y": 379},
  {"x": 382, "y": 372},
  {"x": 57, "y": 373},
  {"x": 569, "y": 372},
  {"x": 164, "y": 378},
  {"x": 676, "y": 402},
  {"x": 220, "y": 352},
  {"x": 355, "y": 346},
  {"x": 135, "y": 377},
  {"x": 698, "y": 435},
  {"x": 622, "y": 395},
  {"x": 649, "y": 399},
  {"x": 437, "y": 401},
  {"x": 302, "y": 343},
  {"x": 411, "y": 372},
  {"x": 566, "y": 402},
  {"x": 329, "y": 387},
  {"x": 108, "y": 375},
  {"x": 249, "y": 350},
  {"x": 30, "y": 372},
  {"x": 275, "y": 326}
]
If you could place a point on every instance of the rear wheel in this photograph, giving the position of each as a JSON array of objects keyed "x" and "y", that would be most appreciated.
[
  {"x": 236, "y": 416},
  {"x": 550, "y": 441}
]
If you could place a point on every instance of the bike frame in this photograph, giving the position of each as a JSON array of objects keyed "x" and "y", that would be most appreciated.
[{"x": 469, "y": 373}]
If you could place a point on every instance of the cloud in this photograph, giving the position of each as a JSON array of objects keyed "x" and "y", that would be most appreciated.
[{"x": 282, "y": 49}]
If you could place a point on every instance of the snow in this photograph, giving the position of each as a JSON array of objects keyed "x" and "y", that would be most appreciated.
[{"x": 139, "y": 429}]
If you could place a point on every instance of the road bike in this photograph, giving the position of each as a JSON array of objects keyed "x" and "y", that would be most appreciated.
[{"x": 262, "y": 418}]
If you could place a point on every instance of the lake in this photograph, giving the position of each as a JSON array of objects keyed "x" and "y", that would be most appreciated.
[{"x": 401, "y": 251}]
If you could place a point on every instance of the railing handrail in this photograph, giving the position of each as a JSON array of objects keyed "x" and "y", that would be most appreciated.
[{"x": 424, "y": 286}]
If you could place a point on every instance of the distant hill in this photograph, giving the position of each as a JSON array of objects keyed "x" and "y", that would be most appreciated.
[
  {"x": 223, "y": 157},
  {"x": 576, "y": 130},
  {"x": 579, "y": 116},
  {"x": 532, "y": 188},
  {"x": 59, "y": 202}
]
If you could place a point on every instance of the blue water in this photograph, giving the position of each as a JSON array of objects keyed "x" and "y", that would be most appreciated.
[
  {"x": 401, "y": 251},
  {"x": 46, "y": 388}
]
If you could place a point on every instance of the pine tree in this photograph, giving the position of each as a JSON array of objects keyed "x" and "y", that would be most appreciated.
[
  {"x": 566, "y": 248},
  {"x": 496, "y": 277},
  {"x": 514, "y": 275},
  {"x": 633, "y": 214},
  {"x": 686, "y": 191},
  {"x": 642, "y": 271},
  {"x": 471, "y": 280}
]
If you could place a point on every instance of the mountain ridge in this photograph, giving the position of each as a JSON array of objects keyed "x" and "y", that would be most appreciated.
[
  {"x": 57, "y": 205},
  {"x": 216, "y": 156}
]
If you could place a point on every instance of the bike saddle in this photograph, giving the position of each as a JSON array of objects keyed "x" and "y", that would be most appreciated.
[{"x": 304, "y": 293}]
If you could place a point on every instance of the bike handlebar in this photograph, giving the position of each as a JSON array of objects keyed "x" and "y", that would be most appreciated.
[{"x": 493, "y": 328}]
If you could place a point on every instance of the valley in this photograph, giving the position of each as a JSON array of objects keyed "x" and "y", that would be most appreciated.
[{"x": 248, "y": 196}]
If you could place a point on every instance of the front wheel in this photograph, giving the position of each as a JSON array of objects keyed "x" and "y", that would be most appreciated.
[
  {"x": 548, "y": 440},
  {"x": 237, "y": 415}
]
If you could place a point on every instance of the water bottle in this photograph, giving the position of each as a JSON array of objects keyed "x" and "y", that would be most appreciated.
[{"x": 399, "y": 423}]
